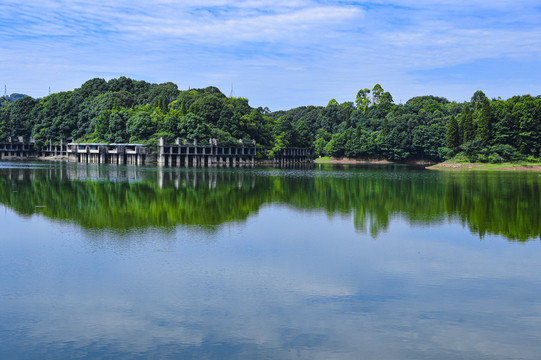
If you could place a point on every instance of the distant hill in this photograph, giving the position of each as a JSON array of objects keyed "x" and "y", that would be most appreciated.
[{"x": 6, "y": 100}]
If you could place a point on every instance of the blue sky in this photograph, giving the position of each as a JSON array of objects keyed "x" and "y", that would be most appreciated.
[{"x": 277, "y": 53}]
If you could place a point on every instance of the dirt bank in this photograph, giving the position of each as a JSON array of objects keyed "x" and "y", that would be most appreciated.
[
  {"x": 454, "y": 166},
  {"x": 344, "y": 160}
]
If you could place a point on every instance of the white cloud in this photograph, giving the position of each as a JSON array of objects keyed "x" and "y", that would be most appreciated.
[{"x": 318, "y": 49}]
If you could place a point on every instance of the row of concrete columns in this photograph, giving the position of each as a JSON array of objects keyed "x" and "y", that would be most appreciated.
[
  {"x": 205, "y": 160},
  {"x": 168, "y": 155},
  {"x": 103, "y": 158}
]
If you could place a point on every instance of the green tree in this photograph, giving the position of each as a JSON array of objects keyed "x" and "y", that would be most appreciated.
[
  {"x": 452, "y": 136},
  {"x": 322, "y": 138},
  {"x": 192, "y": 127},
  {"x": 183, "y": 108},
  {"x": 140, "y": 127},
  {"x": 117, "y": 128},
  {"x": 527, "y": 112},
  {"x": 477, "y": 99},
  {"x": 485, "y": 122},
  {"x": 4, "y": 124},
  {"x": 336, "y": 146},
  {"x": 21, "y": 121},
  {"x": 332, "y": 102},
  {"x": 466, "y": 123},
  {"x": 363, "y": 101},
  {"x": 303, "y": 139},
  {"x": 377, "y": 93},
  {"x": 209, "y": 108}
]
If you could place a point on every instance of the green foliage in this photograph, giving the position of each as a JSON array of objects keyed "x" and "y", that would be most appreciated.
[
  {"x": 363, "y": 101},
  {"x": 485, "y": 122},
  {"x": 527, "y": 113},
  {"x": 121, "y": 110},
  {"x": 322, "y": 138},
  {"x": 128, "y": 110},
  {"x": 336, "y": 146},
  {"x": 466, "y": 124},
  {"x": 477, "y": 99},
  {"x": 452, "y": 137},
  {"x": 21, "y": 119},
  {"x": 192, "y": 127},
  {"x": 140, "y": 127}
]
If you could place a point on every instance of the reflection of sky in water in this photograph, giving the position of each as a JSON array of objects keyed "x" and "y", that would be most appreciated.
[{"x": 284, "y": 284}]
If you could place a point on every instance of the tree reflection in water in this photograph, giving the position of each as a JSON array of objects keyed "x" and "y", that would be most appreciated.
[{"x": 119, "y": 198}]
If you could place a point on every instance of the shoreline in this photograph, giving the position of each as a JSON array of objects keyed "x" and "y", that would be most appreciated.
[
  {"x": 459, "y": 166},
  {"x": 333, "y": 160},
  {"x": 443, "y": 166},
  {"x": 429, "y": 165}
]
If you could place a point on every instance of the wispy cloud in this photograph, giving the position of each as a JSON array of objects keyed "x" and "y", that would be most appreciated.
[{"x": 304, "y": 51}]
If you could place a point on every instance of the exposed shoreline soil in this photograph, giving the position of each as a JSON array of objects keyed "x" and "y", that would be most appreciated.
[
  {"x": 446, "y": 166},
  {"x": 344, "y": 160},
  {"x": 454, "y": 166}
]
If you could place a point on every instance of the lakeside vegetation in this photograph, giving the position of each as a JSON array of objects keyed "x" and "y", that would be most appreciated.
[
  {"x": 371, "y": 126},
  {"x": 460, "y": 163}
]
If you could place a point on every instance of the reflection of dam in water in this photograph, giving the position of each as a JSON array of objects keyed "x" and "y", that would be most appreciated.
[
  {"x": 208, "y": 179},
  {"x": 163, "y": 177},
  {"x": 77, "y": 172}
]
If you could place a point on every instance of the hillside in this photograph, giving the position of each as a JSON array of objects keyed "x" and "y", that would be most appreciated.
[{"x": 371, "y": 126}]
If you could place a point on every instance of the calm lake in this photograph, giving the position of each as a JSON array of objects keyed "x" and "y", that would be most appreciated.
[{"x": 358, "y": 262}]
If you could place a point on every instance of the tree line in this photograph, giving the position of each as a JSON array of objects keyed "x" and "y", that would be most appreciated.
[{"x": 372, "y": 126}]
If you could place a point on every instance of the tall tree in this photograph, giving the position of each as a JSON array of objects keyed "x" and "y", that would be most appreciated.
[
  {"x": 20, "y": 116},
  {"x": 363, "y": 101},
  {"x": 377, "y": 93},
  {"x": 452, "y": 138},
  {"x": 477, "y": 99},
  {"x": 466, "y": 122},
  {"x": 528, "y": 115},
  {"x": 485, "y": 122}
]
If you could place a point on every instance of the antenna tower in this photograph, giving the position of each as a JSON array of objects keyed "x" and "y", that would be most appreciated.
[
  {"x": 5, "y": 90},
  {"x": 49, "y": 90},
  {"x": 231, "y": 93}
]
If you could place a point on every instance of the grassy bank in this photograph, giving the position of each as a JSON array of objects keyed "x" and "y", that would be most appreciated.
[
  {"x": 452, "y": 165},
  {"x": 456, "y": 164},
  {"x": 344, "y": 160}
]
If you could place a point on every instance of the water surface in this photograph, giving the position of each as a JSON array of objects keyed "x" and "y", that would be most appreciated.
[{"x": 381, "y": 262}]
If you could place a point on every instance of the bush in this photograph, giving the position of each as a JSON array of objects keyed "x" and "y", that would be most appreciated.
[
  {"x": 505, "y": 152},
  {"x": 445, "y": 153},
  {"x": 495, "y": 158},
  {"x": 482, "y": 158}
]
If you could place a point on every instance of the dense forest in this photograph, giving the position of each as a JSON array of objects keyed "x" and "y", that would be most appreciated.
[{"x": 372, "y": 126}]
